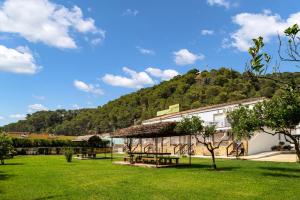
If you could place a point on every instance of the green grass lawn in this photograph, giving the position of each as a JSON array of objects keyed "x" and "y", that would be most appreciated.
[{"x": 51, "y": 177}]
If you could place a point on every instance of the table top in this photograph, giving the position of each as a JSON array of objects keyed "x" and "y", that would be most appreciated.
[{"x": 153, "y": 153}]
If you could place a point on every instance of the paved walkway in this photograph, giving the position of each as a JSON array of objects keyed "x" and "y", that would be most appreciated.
[
  {"x": 272, "y": 156},
  {"x": 279, "y": 158}
]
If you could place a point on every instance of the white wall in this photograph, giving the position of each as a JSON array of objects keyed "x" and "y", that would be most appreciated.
[
  {"x": 262, "y": 142},
  {"x": 206, "y": 115}
]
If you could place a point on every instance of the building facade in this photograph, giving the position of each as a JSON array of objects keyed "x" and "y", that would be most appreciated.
[{"x": 216, "y": 114}]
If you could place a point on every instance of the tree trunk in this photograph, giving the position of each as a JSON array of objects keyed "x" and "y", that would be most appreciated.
[
  {"x": 212, "y": 152},
  {"x": 297, "y": 148},
  {"x": 2, "y": 161}
]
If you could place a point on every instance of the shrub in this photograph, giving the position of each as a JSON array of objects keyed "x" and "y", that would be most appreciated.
[
  {"x": 287, "y": 147},
  {"x": 276, "y": 148},
  {"x": 69, "y": 154},
  {"x": 6, "y": 148},
  {"x": 281, "y": 143}
]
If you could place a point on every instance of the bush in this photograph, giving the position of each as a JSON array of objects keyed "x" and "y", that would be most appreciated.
[
  {"x": 287, "y": 147},
  {"x": 281, "y": 147},
  {"x": 69, "y": 154},
  {"x": 276, "y": 148},
  {"x": 281, "y": 143}
]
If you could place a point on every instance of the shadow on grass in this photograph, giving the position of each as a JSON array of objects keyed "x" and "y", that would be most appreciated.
[
  {"x": 4, "y": 176},
  {"x": 207, "y": 167},
  {"x": 281, "y": 172},
  {"x": 226, "y": 168},
  {"x": 14, "y": 164},
  {"x": 281, "y": 169},
  {"x": 193, "y": 166},
  {"x": 280, "y": 175},
  {"x": 103, "y": 158},
  {"x": 50, "y": 197}
]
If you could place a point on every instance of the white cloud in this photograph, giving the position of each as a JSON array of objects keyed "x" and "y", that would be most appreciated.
[
  {"x": 207, "y": 32},
  {"x": 18, "y": 116},
  {"x": 162, "y": 74},
  {"x": 96, "y": 41},
  {"x": 185, "y": 57},
  {"x": 75, "y": 106},
  {"x": 36, "y": 107},
  {"x": 136, "y": 79},
  {"x": 39, "y": 97},
  {"x": 145, "y": 51},
  {"x": 89, "y": 88},
  {"x": 263, "y": 24},
  {"x": 226, "y": 43},
  {"x": 19, "y": 60},
  {"x": 224, "y": 3},
  {"x": 130, "y": 12},
  {"x": 59, "y": 106},
  {"x": 44, "y": 21},
  {"x": 1, "y": 118}
]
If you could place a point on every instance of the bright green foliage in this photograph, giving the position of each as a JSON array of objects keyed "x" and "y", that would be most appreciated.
[
  {"x": 6, "y": 148},
  {"x": 191, "y": 90},
  {"x": 243, "y": 122},
  {"x": 190, "y": 126},
  {"x": 259, "y": 60},
  {"x": 281, "y": 114},
  {"x": 24, "y": 142},
  {"x": 277, "y": 115},
  {"x": 292, "y": 31},
  {"x": 51, "y": 177},
  {"x": 203, "y": 134},
  {"x": 95, "y": 141},
  {"x": 68, "y": 152}
]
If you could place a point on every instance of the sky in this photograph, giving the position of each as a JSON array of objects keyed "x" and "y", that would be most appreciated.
[{"x": 74, "y": 54}]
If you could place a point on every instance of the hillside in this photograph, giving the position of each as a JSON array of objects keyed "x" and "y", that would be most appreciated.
[{"x": 191, "y": 90}]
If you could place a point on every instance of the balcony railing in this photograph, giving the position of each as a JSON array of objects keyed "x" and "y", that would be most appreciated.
[{"x": 222, "y": 124}]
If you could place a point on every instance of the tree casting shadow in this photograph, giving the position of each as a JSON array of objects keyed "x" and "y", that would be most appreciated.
[
  {"x": 280, "y": 175},
  {"x": 281, "y": 169},
  {"x": 207, "y": 167},
  {"x": 14, "y": 164},
  {"x": 50, "y": 197},
  {"x": 4, "y": 176}
]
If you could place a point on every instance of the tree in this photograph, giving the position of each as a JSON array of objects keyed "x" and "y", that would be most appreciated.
[
  {"x": 261, "y": 61},
  {"x": 203, "y": 134},
  {"x": 6, "y": 148},
  {"x": 279, "y": 115},
  {"x": 190, "y": 90},
  {"x": 95, "y": 142}
]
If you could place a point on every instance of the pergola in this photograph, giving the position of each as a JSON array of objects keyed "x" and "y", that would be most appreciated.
[{"x": 154, "y": 131}]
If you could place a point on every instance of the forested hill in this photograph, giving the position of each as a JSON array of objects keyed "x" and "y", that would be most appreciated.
[{"x": 191, "y": 90}]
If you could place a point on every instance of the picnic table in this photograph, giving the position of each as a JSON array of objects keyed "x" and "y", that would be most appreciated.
[{"x": 153, "y": 158}]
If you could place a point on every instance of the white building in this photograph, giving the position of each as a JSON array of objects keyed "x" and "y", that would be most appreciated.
[{"x": 216, "y": 114}]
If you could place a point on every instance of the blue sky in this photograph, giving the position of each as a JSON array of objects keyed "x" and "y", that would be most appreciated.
[{"x": 77, "y": 54}]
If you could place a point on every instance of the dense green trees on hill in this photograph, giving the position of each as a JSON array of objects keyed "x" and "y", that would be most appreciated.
[{"x": 191, "y": 90}]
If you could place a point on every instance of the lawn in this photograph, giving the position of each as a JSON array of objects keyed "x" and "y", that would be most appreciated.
[{"x": 51, "y": 177}]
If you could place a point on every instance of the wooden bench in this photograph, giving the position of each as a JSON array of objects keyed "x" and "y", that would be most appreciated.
[
  {"x": 129, "y": 158},
  {"x": 126, "y": 159},
  {"x": 174, "y": 158},
  {"x": 168, "y": 160},
  {"x": 148, "y": 160}
]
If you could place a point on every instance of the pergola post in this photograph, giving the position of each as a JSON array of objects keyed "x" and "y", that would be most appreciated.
[
  {"x": 156, "y": 149},
  {"x": 190, "y": 149},
  {"x": 162, "y": 144},
  {"x": 111, "y": 149}
]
